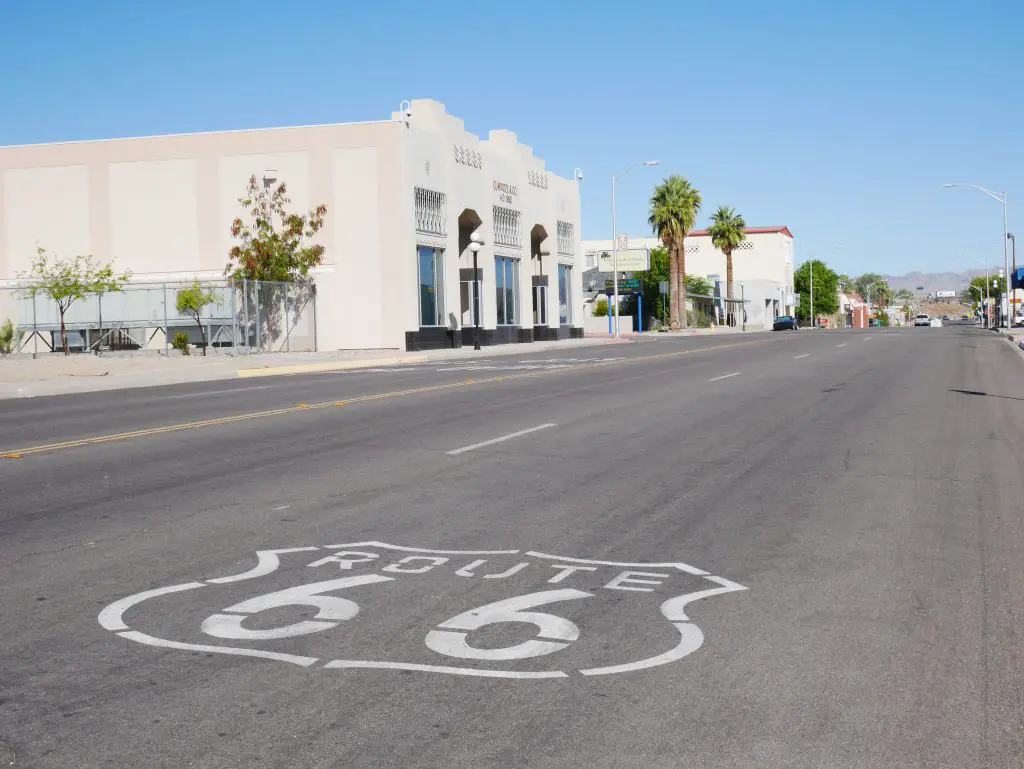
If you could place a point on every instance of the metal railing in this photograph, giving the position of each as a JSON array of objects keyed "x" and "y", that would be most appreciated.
[{"x": 246, "y": 317}]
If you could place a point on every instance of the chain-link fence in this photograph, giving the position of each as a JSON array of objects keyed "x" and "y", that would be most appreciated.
[{"x": 245, "y": 317}]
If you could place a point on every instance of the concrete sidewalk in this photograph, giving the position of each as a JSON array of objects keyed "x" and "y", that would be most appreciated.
[{"x": 25, "y": 377}]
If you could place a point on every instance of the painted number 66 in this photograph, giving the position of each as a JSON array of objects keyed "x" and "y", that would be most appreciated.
[{"x": 554, "y": 633}]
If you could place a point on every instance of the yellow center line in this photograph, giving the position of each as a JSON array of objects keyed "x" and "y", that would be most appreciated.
[{"x": 50, "y": 447}]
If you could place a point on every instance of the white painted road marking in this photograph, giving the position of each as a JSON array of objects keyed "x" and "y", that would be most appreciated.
[
  {"x": 805, "y": 355},
  {"x": 725, "y": 376},
  {"x": 219, "y": 392},
  {"x": 841, "y": 345},
  {"x": 866, "y": 338},
  {"x": 451, "y": 638},
  {"x": 282, "y": 507},
  {"x": 500, "y": 439}
]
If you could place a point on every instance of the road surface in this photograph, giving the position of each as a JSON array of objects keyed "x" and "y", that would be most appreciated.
[{"x": 797, "y": 550}]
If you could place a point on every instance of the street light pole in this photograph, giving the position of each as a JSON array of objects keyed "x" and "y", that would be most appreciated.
[
  {"x": 615, "y": 241},
  {"x": 1013, "y": 275},
  {"x": 810, "y": 269},
  {"x": 1001, "y": 197},
  {"x": 743, "y": 306},
  {"x": 476, "y": 242}
]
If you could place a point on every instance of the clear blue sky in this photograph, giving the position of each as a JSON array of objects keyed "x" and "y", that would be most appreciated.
[{"x": 839, "y": 120}]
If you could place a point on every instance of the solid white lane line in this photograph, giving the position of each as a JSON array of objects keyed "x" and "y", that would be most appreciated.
[
  {"x": 841, "y": 345},
  {"x": 217, "y": 392},
  {"x": 500, "y": 439},
  {"x": 725, "y": 376},
  {"x": 805, "y": 355}
]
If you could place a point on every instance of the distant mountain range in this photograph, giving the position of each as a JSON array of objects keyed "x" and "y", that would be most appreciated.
[{"x": 930, "y": 282}]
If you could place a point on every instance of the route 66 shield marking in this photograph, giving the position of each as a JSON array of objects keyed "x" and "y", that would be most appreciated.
[{"x": 550, "y": 595}]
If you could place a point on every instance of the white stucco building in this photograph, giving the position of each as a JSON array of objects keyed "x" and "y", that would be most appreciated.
[
  {"x": 763, "y": 263},
  {"x": 403, "y": 197}
]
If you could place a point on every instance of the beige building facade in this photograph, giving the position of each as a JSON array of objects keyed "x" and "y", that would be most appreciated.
[{"x": 403, "y": 196}]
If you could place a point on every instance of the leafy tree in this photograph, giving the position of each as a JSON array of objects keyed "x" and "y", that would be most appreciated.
[
  {"x": 826, "y": 298},
  {"x": 65, "y": 281},
  {"x": 655, "y": 302},
  {"x": 191, "y": 302},
  {"x": 880, "y": 292},
  {"x": 673, "y": 212},
  {"x": 600, "y": 309},
  {"x": 727, "y": 231},
  {"x": 9, "y": 338},
  {"x": 276, "y": 246},
  {"x": 270, "y": 252}
]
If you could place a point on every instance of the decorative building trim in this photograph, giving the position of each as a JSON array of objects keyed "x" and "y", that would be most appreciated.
[
  {"x": 430, "y": 242},
  {"x": 507, "y": 225},
  {"x": 538, "y": 179},
  {"x": 467, "y": 156},
  {"x": 431, "y": 212}
]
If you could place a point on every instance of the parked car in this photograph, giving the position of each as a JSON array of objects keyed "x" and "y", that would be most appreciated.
[
  {"x": 922, "y": 320},
  {"x": 936, "y": 323},
  {"x": 784, "y": 323}
]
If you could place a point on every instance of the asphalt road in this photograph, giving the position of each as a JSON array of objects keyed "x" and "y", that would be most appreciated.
[{"x": 785, "y": 550}]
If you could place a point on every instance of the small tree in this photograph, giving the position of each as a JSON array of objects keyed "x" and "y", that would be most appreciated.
[
  {"x": 191, "y": 302},
  {"x": 275, "y": 245},
  {"x": 65, "y": 281},
  {"x": 9, "y": 338},
  {"x": 269, "y": 252}
]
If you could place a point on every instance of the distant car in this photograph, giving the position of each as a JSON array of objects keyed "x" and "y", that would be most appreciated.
[
  {"x": 784, "y": 323},
  {"x": 936, "y": 323},
  {"x": 922, "y": 320},
  {"x": 965, "y": 317}
]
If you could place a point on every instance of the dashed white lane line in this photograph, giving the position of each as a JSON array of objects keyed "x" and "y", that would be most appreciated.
[
  {"x": 866, "y": 338},
  {"x": 805, "y": 355},
  {"x": 500, "y": 439},
  {"x": 724, "y": 376},
  {"x": 218, "y": 392},
  {"x": 282, "y": 507},
  {"x": 841, "y": 345}
]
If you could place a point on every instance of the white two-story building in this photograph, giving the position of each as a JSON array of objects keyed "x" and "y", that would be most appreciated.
[{"x": 404, "y": 196}]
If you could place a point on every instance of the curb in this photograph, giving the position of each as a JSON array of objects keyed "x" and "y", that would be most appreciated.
[{"x": 312, "y": 368}]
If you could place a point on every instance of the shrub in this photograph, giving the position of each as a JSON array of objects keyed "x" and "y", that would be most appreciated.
[
  {"x": 180, "y": 342},
  {"x": 9, "y": 338}
]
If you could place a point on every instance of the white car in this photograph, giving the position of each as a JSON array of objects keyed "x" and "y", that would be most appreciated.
[
  {"x": 922, "y": 320},
  {"x": 936, "y": 323}
]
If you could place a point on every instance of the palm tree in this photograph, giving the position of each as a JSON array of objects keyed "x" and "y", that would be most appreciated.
[
  {"x": 674, "y": 208},
  {"x": 727, "y": 231}
]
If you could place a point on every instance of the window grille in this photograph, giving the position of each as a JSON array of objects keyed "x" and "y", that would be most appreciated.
[
  {"x": 566, "y": 235},
  {"x": 431, "y": 212},
  {"x": 507, "y": 229}
]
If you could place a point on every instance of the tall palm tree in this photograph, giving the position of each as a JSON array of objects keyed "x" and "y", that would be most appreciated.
[
  {"x": 727, "y": 231},
  {"x": 674, "y": 208}
]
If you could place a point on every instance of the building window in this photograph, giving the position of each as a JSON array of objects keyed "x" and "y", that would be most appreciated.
[
  {"x": 566, "y": 236},
  {"x": 564, "y": 294},
  {"x": 540, "y": 305},
  {"x": 471, "y": 297},
  {"x": 506, "y": 281},
  {"x": 431, "y": 270},
  {"x": 507, "y": 229},
  {"x": 431, "y": 212}
]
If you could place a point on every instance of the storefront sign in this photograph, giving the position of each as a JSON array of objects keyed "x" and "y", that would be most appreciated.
[
  {"x": 630, "y": 260},
  {"x": 507, "y": 192},
  {"x": 625, "y": 285}
]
